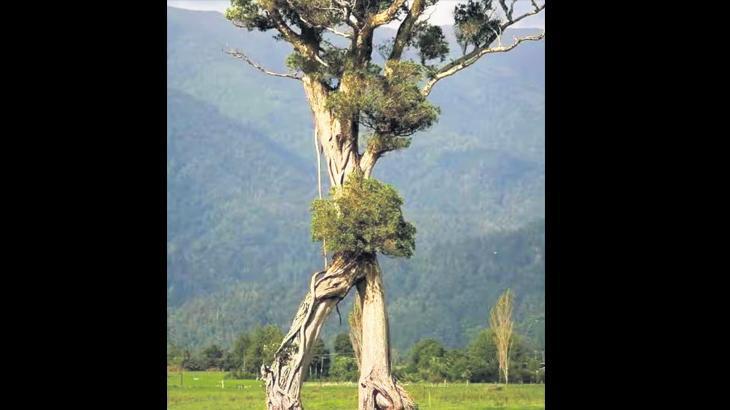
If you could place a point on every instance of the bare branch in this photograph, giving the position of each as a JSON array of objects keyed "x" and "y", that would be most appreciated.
[
  {"x": 352, "y": 21},
  {"x": 305, "y": 48},
  {"x": 312, "y": 25},
  {"x": 237, "y": 24},
  {"x": 240, "y": 55},
  {"x": 429, "y": 15},
  {"x": 385, "y": 16},
  {"x": 330, "y": 29},
  {"x": 346, "y": 9},
  {"x": 508, "y": 10},
  {"x": 497, "y": 35},
  {"x": 339, "y": 33},
  {"x": 528, "y": 14},
  {"x": 292, "y": 37},
  {"x": 469, "y": 59},
  {"x": 286, "y": 31}
]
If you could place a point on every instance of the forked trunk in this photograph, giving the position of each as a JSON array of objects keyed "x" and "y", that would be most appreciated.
[{"x": 337, "y": 138}]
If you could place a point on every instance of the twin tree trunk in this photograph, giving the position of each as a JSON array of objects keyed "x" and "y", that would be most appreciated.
[{"x": 377, "y": 387}]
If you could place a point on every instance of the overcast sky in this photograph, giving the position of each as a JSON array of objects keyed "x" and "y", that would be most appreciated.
[{"x": 441, "y": 14}]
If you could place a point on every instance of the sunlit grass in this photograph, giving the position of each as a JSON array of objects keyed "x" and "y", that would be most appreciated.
[{"x": 209, "y": 390}]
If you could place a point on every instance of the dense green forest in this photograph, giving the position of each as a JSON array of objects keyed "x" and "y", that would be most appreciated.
[
  {"x": 427, "y": 360},
  {"x": 241, "y": 177}
]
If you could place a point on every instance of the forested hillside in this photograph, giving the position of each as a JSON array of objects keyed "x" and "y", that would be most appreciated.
[{"x": 241, "y": 176}]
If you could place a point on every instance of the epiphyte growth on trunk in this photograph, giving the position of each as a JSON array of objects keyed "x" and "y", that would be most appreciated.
[{"x": 363, "y": 216}]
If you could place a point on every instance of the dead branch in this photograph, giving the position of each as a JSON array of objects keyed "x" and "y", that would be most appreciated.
[
  {"x": 240, "y": 55},
  {"x": 536, "y": 10},
  {"x": 471, "y": 58},
  {"x": 385, "y": 16},
  {"x": 508, "y": 10}
]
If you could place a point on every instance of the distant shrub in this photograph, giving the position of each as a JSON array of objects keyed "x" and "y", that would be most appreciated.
[
  {"x": 344, "y": 369},
  {"x": 195, "y": 364}
]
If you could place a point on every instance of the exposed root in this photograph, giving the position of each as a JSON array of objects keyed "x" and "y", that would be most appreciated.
[
  {"x": 284, "y": 377},
  {"x": 408, "y": 402},
  {"x": 378, "y": 390},
  {"x": 382, "y": 392}
]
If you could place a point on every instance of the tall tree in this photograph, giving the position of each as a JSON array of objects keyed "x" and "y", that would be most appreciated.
[
  {"x": 237, "y": 360},
  {"x": 343, "y": 345},
  {"x": 262, "y": 343},
  {"x": 213, "y": 356},
  {"x": 500, "y": 320},
  {"x": 427, "y": 361},
  {"x": 349, "y": 94},
  {"x": 320, "y": 364}
]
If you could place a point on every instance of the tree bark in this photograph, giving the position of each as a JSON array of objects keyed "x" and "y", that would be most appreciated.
[
  {"x": 284, "y": 377},
  {"x": 337, "y": 138},
  {"x": 378, "y": 389}
]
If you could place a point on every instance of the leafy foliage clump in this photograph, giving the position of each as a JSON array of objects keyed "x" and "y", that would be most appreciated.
[
  {"x": 335, "y": 58},
  {"x": 476, "y": 24},
  {"x": 363, "y": 216},
  {"x": 249, "y": 14},
  {"x": 389, "y": 105},
  {"x": 430, "y": 42}
]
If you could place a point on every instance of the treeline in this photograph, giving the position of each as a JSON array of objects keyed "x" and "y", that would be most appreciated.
[
  {"x": 243, "y": 359},
  {"x": 475, "y": 268},
  {"x": 427, "y": 361},
  {"x": 430, "y": 361}
]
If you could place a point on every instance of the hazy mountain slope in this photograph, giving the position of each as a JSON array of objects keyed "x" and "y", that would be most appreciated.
[
  {"x": 447, "y": 293},
  {"x": 237, "y": 203},
  {"x": 197, "y": 65},
  {"x": 241, "y": 175}
]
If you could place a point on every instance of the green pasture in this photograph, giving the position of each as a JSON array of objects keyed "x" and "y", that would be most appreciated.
[{"x": 211, "y": 391}]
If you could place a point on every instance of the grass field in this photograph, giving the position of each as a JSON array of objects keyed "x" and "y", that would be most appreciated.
[{"x": 204, "y": 391}]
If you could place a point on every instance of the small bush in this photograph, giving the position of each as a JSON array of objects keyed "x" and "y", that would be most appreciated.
[{"x": 344, "y": 369}]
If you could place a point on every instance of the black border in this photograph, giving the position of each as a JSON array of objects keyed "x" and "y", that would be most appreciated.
[{"x": 103, "y": 78}]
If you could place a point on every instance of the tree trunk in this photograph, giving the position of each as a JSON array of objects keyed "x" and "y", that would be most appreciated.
[
  {"x": 337, "y": 136},
  {"x": 338, "y": 141},
  {"x": 378, "y": 389},
  {"x": 284, "y": 377}
]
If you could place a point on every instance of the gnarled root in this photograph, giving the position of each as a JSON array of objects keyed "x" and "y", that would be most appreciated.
[
  {"x": 381, "y": 392},
  {"x": 284, "y": 377}
]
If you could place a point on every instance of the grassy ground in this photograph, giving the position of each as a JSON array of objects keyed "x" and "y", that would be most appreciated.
[{"x": 204, "y": 391}]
